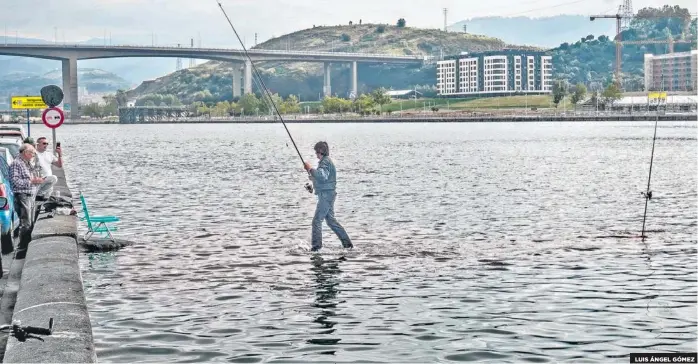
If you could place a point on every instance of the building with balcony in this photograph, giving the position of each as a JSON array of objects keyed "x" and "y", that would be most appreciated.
[
  {"x": 494, "y": 73},
  {"x": 672, "y": 72}
]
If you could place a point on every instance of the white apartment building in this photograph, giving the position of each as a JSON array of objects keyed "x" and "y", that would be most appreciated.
[
  {"x": 446, "y": 77},
  {"x": 492, "y": 73}
]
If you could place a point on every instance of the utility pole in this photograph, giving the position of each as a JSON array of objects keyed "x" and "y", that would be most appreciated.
[
  {"x": 192, "y": 63},
  {"x": 179, "y": 60},
  {"x": 445, "y": 17}
]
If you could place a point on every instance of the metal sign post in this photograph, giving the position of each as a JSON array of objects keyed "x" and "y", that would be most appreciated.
[
  {"x": 29, "y": 132},
  {"x": 53, "y": 118}
]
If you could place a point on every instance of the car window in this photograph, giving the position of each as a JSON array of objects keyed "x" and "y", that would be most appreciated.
[
  {"x": 13, "y": 148},
  {"x": 4, "y": 169}
]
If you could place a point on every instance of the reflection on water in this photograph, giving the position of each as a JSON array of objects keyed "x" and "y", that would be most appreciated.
[
  {"x": 327, "y": 286},
  {"x": 496, "y": 242}
]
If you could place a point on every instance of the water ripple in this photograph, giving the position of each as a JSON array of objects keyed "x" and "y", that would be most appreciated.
[{"x": 474, "y": 242}]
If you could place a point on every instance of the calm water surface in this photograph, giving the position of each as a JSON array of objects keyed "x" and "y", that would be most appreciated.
[{"x": 474, "y": 242}]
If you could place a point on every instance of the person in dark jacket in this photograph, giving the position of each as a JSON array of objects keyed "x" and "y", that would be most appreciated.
[{"x": 324, "y": 179}]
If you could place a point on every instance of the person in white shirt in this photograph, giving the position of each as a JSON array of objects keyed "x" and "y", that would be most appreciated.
[{"x": 45, "y": 158}]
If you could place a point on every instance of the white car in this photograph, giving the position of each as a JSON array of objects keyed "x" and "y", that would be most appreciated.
[
  {"x": 12, "y": 130},
  {"x": 15, "y": 127}
]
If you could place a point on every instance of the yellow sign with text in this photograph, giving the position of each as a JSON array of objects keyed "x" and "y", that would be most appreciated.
[
  {"x": 656, "y": 95},
  {"x": 28, "y": 102}
]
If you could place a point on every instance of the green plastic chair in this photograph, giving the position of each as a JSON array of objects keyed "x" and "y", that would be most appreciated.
[{"x": 97, "y": 224}]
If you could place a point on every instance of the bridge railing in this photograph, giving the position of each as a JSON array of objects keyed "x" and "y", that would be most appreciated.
[{"x": 232, "y": 50}]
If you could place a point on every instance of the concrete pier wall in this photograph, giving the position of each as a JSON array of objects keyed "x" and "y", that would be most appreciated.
[{"x": 50, "y": 286}]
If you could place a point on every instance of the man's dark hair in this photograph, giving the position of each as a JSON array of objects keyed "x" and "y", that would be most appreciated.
[
  {"x": 322, "y": 148},
  {"x": 40, "y": 139}
]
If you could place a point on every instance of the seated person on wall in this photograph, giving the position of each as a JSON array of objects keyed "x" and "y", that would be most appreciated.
[{"x": 44, "y": 160}]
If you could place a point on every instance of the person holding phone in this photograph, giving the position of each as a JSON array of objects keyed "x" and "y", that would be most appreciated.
[{"x": 45, "y": 159}]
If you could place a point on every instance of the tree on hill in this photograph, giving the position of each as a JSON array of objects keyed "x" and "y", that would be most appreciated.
[
  {"x": 655, "y": 20},
  {"x": 121, "y": 98},
  {"x": 559, "y": 91},
  {"x": 401, "y": 23},
  {"x": 265, "y": 104},
  {"x": 364, "y": 103},
  {"x": 380, "y": 97},
  {"x": 92, "y": 110},
  {"x": 611, "y": 94},
  {"x": 579, "y": 93},
  {"x": 249, "y": 103},
  {"x": 331, "y": 104},
  {"x": 158, "y": 99},
  {"x": 290, "y": 105}
]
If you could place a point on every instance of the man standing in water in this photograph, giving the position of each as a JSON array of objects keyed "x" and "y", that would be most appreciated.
[{"x": 324, "y": 179}]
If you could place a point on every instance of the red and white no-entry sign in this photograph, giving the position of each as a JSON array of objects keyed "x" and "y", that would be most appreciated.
[{"x": 53, "y": 117}]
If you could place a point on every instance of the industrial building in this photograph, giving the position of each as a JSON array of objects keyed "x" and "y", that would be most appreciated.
[
  {"x": 495, "y": 73},
  {"x": 403, "y": 94},
  {"x": 672, "y": 72}
]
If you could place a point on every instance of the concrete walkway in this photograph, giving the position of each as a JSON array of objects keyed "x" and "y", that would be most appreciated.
[{"x": 47, "y": 284}]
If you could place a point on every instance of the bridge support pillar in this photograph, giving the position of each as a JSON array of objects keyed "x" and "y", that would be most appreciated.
[
  {"x": 236, "y": 80},
  {"x": 70, "y": 88},
  {"x": 354, "y": 80},
  {"x": 248, "y": 77},
  {"x": 327, "y": 85}
]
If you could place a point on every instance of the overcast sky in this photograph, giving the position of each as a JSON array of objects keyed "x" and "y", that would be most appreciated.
[{"x": 167, "y": 22}]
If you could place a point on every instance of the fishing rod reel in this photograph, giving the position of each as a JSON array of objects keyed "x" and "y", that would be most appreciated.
[
  {"x": 22, "y": 333},
  {"x": 309, "y": 187}
]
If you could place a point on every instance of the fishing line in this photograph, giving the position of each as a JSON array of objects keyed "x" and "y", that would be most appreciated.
[
  {"x": 267, "y": 93},
  {"x": 648, "y": 194}
]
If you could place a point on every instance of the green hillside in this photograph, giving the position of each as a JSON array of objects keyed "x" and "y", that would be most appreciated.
[{"x": 212, "y": 81}]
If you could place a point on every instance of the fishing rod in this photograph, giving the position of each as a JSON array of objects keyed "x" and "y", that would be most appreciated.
[
  {"x": 267, "y": 93},
  {"x": 648, "y": 193}
]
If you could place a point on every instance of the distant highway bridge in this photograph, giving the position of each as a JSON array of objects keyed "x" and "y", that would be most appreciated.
[{"x": 69, "y": 54}]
